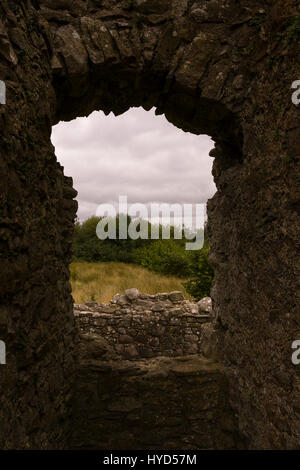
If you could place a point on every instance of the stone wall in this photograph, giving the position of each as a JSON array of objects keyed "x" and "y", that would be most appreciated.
[
  {"x": 222, "y": 68},
  {"x": 37, "y": 214},
  {"x": 137, "y": 325},
  {"x": 142, "y": 383},
  {"x": 161, "y": 403}
]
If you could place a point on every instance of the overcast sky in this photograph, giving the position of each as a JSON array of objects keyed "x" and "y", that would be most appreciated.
[{"x": 136, "y": 154}]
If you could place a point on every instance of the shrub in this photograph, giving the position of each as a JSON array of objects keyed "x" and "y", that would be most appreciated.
[
  {"x": 88, "y": 247},
  {"x": 165, "y": 257},
  {"x": 200, "y": 285}
]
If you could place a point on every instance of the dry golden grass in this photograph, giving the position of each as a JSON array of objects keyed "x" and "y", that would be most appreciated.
[{"x": 101, "y": 281}]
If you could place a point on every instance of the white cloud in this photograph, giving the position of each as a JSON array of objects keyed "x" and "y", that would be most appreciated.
[{"x": 137, "y": 154}]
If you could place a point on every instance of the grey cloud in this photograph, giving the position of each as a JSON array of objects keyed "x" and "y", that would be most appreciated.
[{"x": 137, "y": 154}]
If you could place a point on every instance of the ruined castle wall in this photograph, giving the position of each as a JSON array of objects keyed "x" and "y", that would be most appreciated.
[
  {"x": 145, "y": 326},
  {"x": 142, "y": 383},
  {"x": 37, "y": 214},
  {"x": 160, "y": 403},
  {"x": 222, "y": 68}
]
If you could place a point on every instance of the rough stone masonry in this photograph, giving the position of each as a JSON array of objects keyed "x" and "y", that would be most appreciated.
[
  {"x": 137, "y": 325},
  {"x": 160, "y": 403},
  {"x": 142, "y": 381},
  {"x": 222, "y": 68}
]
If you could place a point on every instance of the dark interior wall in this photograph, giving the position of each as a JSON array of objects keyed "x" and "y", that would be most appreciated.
[
  {"x": 161, "y": 403},
  {"x": 36, "y": 225},
  {"x": 221, "y": 68}
]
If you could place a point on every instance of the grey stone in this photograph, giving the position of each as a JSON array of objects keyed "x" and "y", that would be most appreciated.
[
  {"x": 122, "y": 300},
  {"x": 106, "y": 308},
  {"x": 190, "y": 348},
  {"x": 125, "y": 339},
  {"x": 93, "y": 346},
  {"x": 162, "y": 296},
  {"x": 130, "y": 351},
  {"x": 210, "y": 346},
  {"x": 143, "y": 303},
  {"x": 205, "y": 305},
  {"x": 132, "y": 294},
  {"x": 191, "y": 338},
  {"x": 119, "y": 348},
  {"x": 158, "y": 307},
  {"x": 145, "y": 352},
  {"x": 91, "y": 304},
  {"x": 158, "y": 330},
  {"x": 176, "y": 296}
]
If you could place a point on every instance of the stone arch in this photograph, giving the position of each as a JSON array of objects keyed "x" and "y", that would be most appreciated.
[{"x": 205, "y": 66}]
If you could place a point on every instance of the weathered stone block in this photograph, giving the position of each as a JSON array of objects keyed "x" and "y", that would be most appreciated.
[{"x": 151, "y": 406}]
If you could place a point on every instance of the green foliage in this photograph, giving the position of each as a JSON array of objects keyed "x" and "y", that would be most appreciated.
[
  {"x": 200, "y": 285},
  {"x": 88, "y": 247},
  {"x": 165, "y": 257}
]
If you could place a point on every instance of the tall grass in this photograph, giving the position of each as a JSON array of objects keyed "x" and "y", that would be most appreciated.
[{"x": 101, "y": 281}]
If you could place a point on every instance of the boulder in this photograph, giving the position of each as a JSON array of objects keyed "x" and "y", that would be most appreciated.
[
  {"x": 132, "y": 294},
  {"x": 125, "y": 339},
  {"x": 93, "y": 346},
  {"x": 205, "y": 305},
  {"x": 158, "y": 307},
  {"x": 130, "y": 352},
  {"x": 120, "y": 299},
  {"x": 210, "y": 346}
]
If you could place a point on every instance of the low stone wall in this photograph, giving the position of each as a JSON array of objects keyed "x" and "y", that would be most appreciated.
[
  {"x": 137, "y": 325},
  {"x": 142, "y": 383},
  {"x": 161, "y": 403}
]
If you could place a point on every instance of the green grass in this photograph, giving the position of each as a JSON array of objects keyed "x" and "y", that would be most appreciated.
[{"x": 101, "y": 281}]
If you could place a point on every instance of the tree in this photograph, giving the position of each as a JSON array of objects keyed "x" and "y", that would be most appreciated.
[{"x": 200, "y": 285}]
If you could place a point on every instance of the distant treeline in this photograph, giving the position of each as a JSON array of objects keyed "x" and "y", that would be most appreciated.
[{"x": 168, "y": 257}]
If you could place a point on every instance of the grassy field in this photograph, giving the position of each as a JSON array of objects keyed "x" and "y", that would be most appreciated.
[{"x": 101, "y": 281}]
